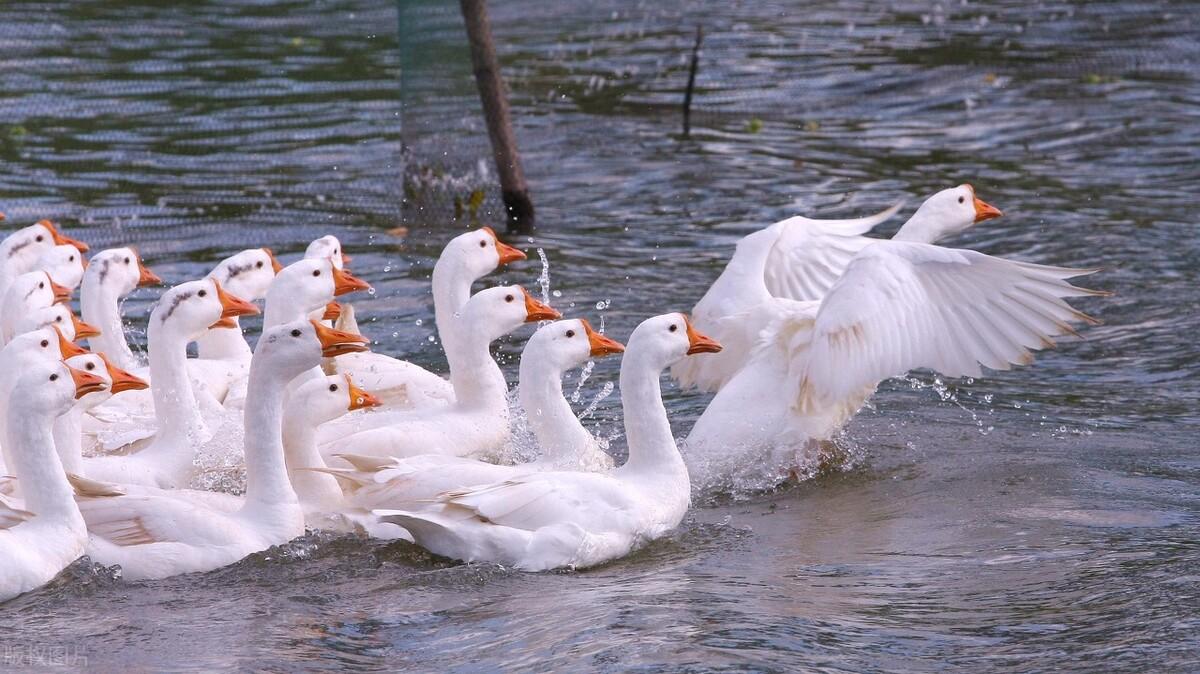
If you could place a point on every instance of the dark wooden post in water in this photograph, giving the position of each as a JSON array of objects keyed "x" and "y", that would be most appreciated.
[
  {"x": 492, "y": 92},
  {"x": 691, "y": 84}
]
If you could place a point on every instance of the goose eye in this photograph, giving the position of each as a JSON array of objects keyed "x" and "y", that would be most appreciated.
[
  {"x": 483, "y": 244},
  {"x": 53, "y": 377},
  {"x": 71, "y": 259},
  {"x": 333, "y": 387},
  {"x": 39, "y": 238},
  {"x": 508, "y": 298},
  {"x": 570, "y": 333},
  {"x": 58, "y": 319},
  {"x": 961, "y": 199},
  {"x": 45, "y": 343},
  {"x": 259, "y": 264},
  {"x": 41, "y": 285},
  {"x": 127, "y": 260},
  {"x": 91, "y": 366},
  {"x": 203, "y": 293},
  {"x": 296, "y": 333},
  {"x": 673, "y": 327}
]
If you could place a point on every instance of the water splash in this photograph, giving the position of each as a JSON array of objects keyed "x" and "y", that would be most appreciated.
[
  {"x": 605, "y": 391},
  {"x": 543, "y": 279},
  {"x": 584, "y": 374}
]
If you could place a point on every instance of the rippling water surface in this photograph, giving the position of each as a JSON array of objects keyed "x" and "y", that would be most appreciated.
[{"x": 1043, "y": 519}]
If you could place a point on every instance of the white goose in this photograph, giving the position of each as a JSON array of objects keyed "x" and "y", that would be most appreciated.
[
  {"x": 67, "y": 427},
  {"x": 59, "y": 316},
  {"x": 181, "y": 315},
  {"x": 466, "y": 258},
  {"x": 565, "y": 444},
  {"x": 111, "y": 275},
  {"x": 553, "y": 519},
  {"x": 800, "y": 259},
  {"x": 223, "y": 353},
  {"x": 247, "y": 275},
  {"x": 20, "y": 251},
  {"x": 155, "y": 536},
  {"x": 42, "y": 345},
  {"x": 65, "y": 264},
  {"x": 898, "y": 306},
  {"x": 28, "y": 292},
  {"x": 327, "y": 247},
  {"x": 48, "y": 533},
  {"x": 477, "y": 422},
  {"x": 310, "y": 405}
]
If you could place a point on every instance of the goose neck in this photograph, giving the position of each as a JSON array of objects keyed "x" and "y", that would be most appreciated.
[
  {"x": 267, "y": 481},
  {"x": 652, "y": 448},
  {"x": 920, "y": 228},
  {"x": 36, "y": 464},
  {"x": 68, "y": 440},
  {"x": 100, "y": 306},
  {"x": 451, "y": 290},
  {"x": 474, "y": 374},
  {"x": 175, "y": 404},
  {"x": 316, "y": 490},
  {"x": 558, "y": 431}
]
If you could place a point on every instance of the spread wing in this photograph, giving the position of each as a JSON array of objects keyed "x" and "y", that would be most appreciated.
[
  {"x": 903, "y": 305},
  {"x": 810, "y": 255}
]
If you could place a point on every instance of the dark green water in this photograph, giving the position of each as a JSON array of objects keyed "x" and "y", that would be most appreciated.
[{"x": 1043, "y": 519}]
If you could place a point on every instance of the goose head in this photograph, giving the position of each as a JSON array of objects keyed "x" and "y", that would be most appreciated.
[
  {"x": 477, "y": 253},
  {"x": 328, "y": 248},
  {"x": 247, "y": 274},
  {"x": 34, "y": 290},
  {"x": 666, "y": 339},
  {"x": 59, "y": 316},
  {"x": 27, "y": 244},
  {"x": 310, "y": 284},
  {"x": 950, "y": 212},
  {"x": 567, "y": 344},
  {"x": 115, "y": 379},
  {"x": 53, "y": 386},
  {"x": 327, "y": 398},
  {"x": 296, "y": 346},
  {"x": 492, "y": 313},
  {"x": 65, "y": 264},
  {"x": 118, "y": 270},
  {"x": 44, "y": 344},
  {"x": 190, "y": 308}
]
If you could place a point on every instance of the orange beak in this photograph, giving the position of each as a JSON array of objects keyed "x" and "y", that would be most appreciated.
[
  {"x": 537, "y": 311},
  {"x": 345, "y": 282},
  {"x": 122, "y": 380},
  {"x": 84, "y": 330},
  {"x": 984, "y": 210},
  {"x": 61, "y": 239},
  {"x": 337, "y": 342},
  {"x": 231, "y": 306},
  {"x": 62, "y": 294},
  {"x": 145, "y": 276},
  {"x": 360, "y": 399},
  {"x": 333, "y": 311},
  {"x": 86, "y": 382},
  {"x": 68, "y": 348},
  {"x": 507, "y": 253},
  {"x": 698, "y": 343},
  {"x": 601, "y": 345},
  {"x": 275, "y": 266}
]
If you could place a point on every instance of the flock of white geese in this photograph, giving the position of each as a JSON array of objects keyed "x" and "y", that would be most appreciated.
[{"x": 806, "y": 319}]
